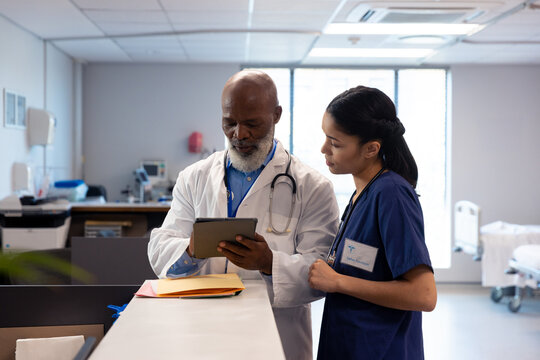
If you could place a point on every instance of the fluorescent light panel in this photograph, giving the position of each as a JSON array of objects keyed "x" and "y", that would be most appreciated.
[
  {"x": 370, "y": 53},
  {"x": 401, "y": 29}
]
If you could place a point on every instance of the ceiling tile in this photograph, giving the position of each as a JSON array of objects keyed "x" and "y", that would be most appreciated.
[
  {"x": 278, "y": 47},
  {"x": 463, "y": 53},
  {"x": 209, "y": 19},
  {"x": 341, "y": 16},
  {"x": 93, "y": 50},
  {"x": 524, "y": 17},
  {"x": 148, "y": 42},
  {"x": 159, "y": 58},
  {"x": 524, "y": 49},
  {"x": 64, "y": 18},
  {"x": 285, "y": 6},
  {"x": 360, "y": 62},
  {"x": 205, "y": 5},
  {"x": 118, "y": 4},
  {"x": 223, "y": 39},
  {"x": 289, "y": 20},
  {"x": 503, "y": 32},
  {"x": 133, "y": 28},
  {"x": 224, "y": 46},
  {"x": 49, "y": 19},
  {"x": 158, "y": 55},
  {"x": 137, "y": 16}
]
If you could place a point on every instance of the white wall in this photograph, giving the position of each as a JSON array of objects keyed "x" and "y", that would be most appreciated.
[
  {"x": 136, "y": 112},
  {"x": 495, "y": 148},
  {"x": 59, "y": 100},
  {"x": 22, "y": 69}
]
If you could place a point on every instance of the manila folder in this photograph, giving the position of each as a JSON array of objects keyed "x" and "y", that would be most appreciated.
[{"x": 201, "y": 285}]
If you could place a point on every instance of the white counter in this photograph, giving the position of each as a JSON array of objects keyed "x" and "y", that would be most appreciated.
[{"x": 239, "y": 327}]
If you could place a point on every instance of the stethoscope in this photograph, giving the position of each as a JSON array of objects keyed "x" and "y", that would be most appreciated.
[
  {"x": 271, "y": 228},
  {"x": 331, "y": 257}
]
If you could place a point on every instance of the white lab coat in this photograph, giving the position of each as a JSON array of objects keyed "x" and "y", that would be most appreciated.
[{"x": 200, "y": 192}]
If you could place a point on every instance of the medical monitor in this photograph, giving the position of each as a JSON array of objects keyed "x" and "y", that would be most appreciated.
[{"x": 156, "y": 170}]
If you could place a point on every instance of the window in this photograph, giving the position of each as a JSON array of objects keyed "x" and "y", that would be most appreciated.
[
  {"x": 313, "y": 91},
  {"x": 420, "y": 97},
  {"x": 422, "y": 109}
]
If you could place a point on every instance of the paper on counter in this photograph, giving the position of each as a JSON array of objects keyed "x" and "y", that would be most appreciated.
[{"x": 195, "y": 286}]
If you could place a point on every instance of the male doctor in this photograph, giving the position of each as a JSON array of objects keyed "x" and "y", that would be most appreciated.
[{"x": 280, "y": 254}]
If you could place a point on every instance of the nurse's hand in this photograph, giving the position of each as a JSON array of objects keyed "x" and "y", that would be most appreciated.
[
  {"x": 323, "y": 277},
  {"x": 250, "y": 254}
]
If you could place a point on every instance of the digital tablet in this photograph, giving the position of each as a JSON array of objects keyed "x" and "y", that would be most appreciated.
[{"x": 208, "y": 232}]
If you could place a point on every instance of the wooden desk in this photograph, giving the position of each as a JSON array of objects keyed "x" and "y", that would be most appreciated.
[
  {"x": 121, "y": 207},
  {"x": 239, "y": 327},
  {"x": 143, "y": 217}
]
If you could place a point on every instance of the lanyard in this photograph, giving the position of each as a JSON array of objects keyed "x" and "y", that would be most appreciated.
[{"x": 331, "y": 258}]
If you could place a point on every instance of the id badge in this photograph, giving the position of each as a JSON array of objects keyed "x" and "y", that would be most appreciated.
[{"x": 359, "y": 255}]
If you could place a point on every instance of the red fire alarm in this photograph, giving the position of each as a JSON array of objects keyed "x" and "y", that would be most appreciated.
[{"x": 195, "y": 142}]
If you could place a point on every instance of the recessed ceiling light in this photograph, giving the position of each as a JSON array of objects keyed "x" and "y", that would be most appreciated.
[
  {"x": 424, "y": 39},
  {"x": 371, "y": 53},
  {"x": 401, "y": 29}
]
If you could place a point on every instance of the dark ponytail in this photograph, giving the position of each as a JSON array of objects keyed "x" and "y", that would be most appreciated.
[{"x": 370, "y": 115}]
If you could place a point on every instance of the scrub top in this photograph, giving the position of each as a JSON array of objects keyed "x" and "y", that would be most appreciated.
[{"x": 387, "y": 224}]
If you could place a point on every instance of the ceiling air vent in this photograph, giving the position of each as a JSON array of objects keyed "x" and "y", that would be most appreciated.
[{"x": 420, "y": 12}]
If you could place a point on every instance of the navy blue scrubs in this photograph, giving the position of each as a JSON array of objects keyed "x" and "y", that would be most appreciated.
[{"x": 388, "y": 217}]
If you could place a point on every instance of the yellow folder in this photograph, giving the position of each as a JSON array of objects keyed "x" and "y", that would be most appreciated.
[{"x": 200, "y": 286}]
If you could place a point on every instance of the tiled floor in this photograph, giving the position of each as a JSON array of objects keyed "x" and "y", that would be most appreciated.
[{"x": 467, "y": 325}]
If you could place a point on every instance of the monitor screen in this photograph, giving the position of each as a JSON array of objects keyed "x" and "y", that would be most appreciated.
[
  {"x": 151, "y": 169},
  {"x": 156, "y": 170}
]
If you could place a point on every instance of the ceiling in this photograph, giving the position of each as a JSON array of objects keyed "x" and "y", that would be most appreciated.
[{"x": 273, "y": 32}]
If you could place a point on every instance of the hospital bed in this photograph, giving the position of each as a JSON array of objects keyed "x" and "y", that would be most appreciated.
[
  {"x": 525, "y": 263},
  {"x": 467, "y": 229},
  {"x": 494, "y": 245}
]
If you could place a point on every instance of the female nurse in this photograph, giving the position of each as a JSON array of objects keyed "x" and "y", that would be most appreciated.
[{"x": 378, "y": 275}]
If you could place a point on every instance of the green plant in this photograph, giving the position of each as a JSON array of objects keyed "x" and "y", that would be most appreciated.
[{"x": 30, "y": 266}]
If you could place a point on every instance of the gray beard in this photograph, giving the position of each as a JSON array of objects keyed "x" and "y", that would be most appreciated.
[{"x": 253, "y": 161}]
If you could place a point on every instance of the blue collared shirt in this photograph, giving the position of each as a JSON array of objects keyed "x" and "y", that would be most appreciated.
[{"x": 239, "y": 185}]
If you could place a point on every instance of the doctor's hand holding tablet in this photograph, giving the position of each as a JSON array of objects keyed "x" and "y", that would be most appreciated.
[
  {"x": 377, "y": 274},
  {"x": 234, "y": 238},
  {"x": 250, "y": 254}
]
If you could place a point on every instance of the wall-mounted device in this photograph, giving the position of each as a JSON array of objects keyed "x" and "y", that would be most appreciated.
[
  {"x": 156, "y": 170},
  {"x": 41, "y": 124},
  {"x": 195, "y": 142}
]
